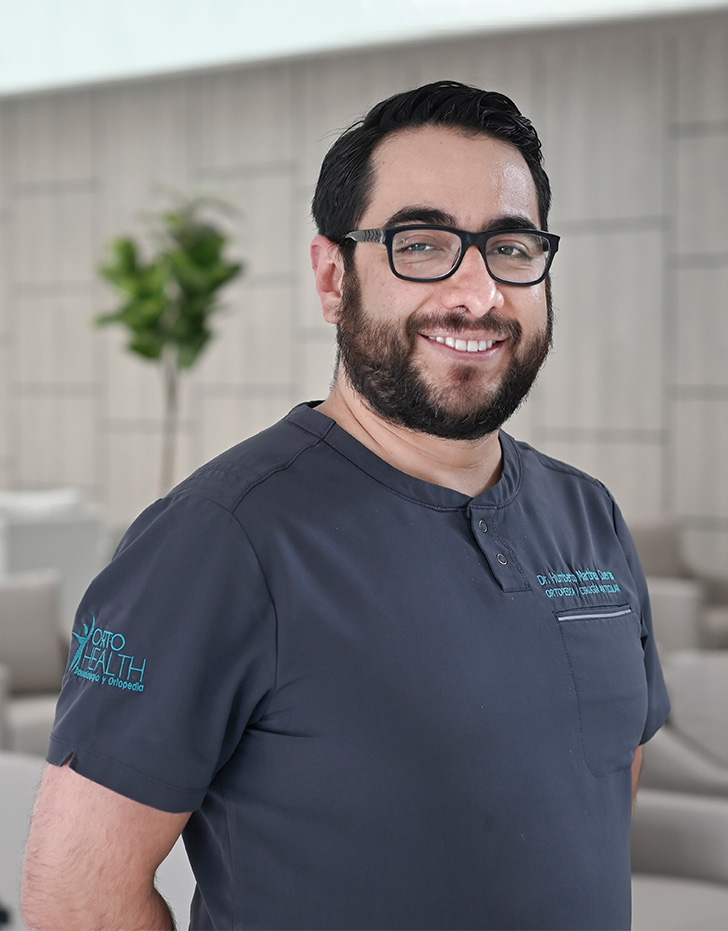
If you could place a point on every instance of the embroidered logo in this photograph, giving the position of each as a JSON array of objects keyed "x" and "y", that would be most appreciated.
[
  {"x": 571, "y": 584},
  {"x": 103, "y": 656}
]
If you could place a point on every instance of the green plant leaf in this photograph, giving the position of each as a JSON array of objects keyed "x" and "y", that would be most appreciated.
[
  {"x": 189, "y": 350},
  {"x": 146, "y": 344},
  {"x": 166, "y": 299}
]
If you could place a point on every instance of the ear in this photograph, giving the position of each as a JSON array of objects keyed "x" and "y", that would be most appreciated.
[{"x": 328, "y": 267}]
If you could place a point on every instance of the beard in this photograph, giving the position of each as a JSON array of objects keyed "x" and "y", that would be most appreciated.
[{"x": 379, "y": 364}]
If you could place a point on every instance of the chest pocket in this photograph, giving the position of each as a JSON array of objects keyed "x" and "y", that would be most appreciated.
[{"x": 606, "y": 659}]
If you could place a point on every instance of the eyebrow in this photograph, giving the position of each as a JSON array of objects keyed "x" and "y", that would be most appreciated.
[
  {"x": 511, "y": 221},
  {"x": 420, "y": 214},
  {"x": 433, "y": 216}
]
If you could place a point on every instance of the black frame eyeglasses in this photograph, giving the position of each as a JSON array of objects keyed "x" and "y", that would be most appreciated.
[{"x": 420, "y": 252}]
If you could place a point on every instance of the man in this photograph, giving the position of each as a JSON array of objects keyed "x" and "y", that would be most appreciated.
[{"x": 396, "y": 665}]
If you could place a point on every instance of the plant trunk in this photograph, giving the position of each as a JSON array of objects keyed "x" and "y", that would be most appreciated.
[{"x": 170, "y": 376}]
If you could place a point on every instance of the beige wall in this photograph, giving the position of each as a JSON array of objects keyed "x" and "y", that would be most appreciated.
[{"x": 634, "y": 120}]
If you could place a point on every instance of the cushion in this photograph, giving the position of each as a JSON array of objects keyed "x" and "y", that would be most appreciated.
[
  {"x": 29, "y": 723},
  {"x": 697, "y": 681},
  {"x": 30, "y": 644},
  {"x": 677, "y": 606},
  {"x": 658, "y": 546},
  {"x": 20, "y": 504},
  {"x": 39, "y": 503},
  {"x": 715, "y": 626},
  {"x": 674, "y": 904},
  {"x": 676, "y": 834}
]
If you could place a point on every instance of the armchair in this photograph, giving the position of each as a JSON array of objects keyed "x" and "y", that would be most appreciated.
[
  {"x": 33, "y": 654},
  {"x": 52, "y": 529},
  {"x": 690, "y": 753},
  {"x": 679, "y": 862},
  {"x": 689, "y": 609}
]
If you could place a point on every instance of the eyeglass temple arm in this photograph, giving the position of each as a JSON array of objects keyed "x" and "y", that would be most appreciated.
[{"x": 366, "y": 235}]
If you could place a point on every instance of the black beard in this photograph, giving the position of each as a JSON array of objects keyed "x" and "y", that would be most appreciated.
[{"x": 378, "y": 363}]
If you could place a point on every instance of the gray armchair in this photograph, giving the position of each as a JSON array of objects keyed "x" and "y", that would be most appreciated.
[
  {"x": 679, "y": 862},
  {"x": 690, "y": 609},
  {"x": 690, "y": 753},
  {"x": 33, "y": 654},
  {"x": 680, "y": 832},
  {"x": 52, "y": 530}
]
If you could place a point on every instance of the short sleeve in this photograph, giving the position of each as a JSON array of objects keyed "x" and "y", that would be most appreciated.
[
  {"x": 173, "y": 655},
  {"x": 658, "y": 699}
]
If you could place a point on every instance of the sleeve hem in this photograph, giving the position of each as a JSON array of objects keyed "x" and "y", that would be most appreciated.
[{"x": 120, "y": 778}]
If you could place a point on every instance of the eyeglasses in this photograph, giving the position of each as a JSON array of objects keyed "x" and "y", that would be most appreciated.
[{"x": 430, "y": 253}]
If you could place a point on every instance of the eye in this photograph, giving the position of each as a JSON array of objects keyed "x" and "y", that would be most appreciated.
[
  {"x": 516, "y": 248},
  {"x": 509, "y": 249},
  {"x": 417, "y": 247},
  {"x": 417, "y": 244},
  {"x": 423, "y": 246}
]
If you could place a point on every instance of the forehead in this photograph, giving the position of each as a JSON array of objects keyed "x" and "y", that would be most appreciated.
[{"x": 475, "y": 179}]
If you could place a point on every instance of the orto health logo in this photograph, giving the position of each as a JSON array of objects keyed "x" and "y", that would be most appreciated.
[{"x": 103, "y": 656}]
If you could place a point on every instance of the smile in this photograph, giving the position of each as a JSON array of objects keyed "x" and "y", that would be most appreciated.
[{"x": 464, "y": 345}]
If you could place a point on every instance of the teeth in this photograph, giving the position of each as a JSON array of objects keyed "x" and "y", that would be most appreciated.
[{"x": 463, "y": 345}]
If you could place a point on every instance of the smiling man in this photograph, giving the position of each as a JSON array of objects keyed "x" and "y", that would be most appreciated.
[
  {"x": 442, "y": 350},
  {"x": 383, "y": 665}
]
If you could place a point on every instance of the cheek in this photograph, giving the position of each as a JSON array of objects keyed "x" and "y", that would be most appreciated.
[
  {"x": 383, "y": 294},
  {"x": 531, "y": 306}
]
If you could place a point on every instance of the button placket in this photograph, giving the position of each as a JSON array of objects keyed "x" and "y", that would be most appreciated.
[{"x": 498, "y": 555}]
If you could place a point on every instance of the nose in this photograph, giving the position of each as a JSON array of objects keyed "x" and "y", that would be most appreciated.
[{"x": 472, "y": 287}]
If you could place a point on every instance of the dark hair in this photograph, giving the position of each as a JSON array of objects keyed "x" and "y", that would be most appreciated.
[{"x": 346, "y": 176}]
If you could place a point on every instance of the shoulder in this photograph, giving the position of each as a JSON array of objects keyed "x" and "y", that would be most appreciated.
[
  {"x": 229, "y": 477},
  {"x": 206, "y": 505},
  {"x": 568, "y": 498},
  {"x": 533, "y": 461},
  {"x": 559, "y": 487}
]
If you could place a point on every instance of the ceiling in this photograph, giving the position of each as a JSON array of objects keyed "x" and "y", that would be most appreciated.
[{"x": 55, "y": 43}]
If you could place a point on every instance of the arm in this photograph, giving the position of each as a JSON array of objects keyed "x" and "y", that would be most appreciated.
[
  {"x": 636, "y": 769},
  {"x": 91, "y": 857}
]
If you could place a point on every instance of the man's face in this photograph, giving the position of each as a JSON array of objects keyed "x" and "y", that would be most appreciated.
[{"x": 407, "y": 347}]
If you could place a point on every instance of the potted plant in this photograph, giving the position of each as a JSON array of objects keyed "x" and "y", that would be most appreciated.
[{"x": 167, "y": 299}]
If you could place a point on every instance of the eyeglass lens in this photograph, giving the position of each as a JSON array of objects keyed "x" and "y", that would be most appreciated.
[{"x": 519, "y": 257}]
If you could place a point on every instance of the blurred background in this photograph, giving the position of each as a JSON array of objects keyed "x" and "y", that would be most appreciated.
[
  {"x": 104, "y": 103},
  {"x": 632, "y": 109}
]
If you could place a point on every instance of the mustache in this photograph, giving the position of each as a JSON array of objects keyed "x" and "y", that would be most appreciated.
[{"x": 493, "y": 326}]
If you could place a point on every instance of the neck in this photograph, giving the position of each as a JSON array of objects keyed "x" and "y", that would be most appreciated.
[{"x": 467, "y": 466}]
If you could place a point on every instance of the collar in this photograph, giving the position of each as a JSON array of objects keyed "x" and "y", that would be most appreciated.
[{"x": 430, "y": 495}]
